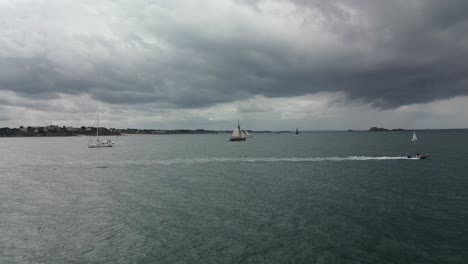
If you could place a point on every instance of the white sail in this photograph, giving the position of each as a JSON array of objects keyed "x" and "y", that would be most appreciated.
[
  {"x": 91, "y": 138},
  {"x": 247, "y": 134},
  {"x": 235, "y": 133},
  {"x": 415, "y": 138}
]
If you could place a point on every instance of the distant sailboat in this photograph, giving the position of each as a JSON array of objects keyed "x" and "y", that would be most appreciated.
[
  {"x": 98, "y": 144},
  {"x": 415, "y": 138},
  {"x": 237, "y": 134},
  {"x": 297, "y": 132}
]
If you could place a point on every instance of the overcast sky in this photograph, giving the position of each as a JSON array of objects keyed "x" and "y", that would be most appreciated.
[{"x": 273, "y": 64}]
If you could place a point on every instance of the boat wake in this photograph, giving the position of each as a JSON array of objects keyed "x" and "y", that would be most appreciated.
[
  {"x": 265, "y": 160},
  {"x": 188, "y": 161}
]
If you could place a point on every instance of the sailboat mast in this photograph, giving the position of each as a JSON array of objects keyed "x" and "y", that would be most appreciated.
[{"x": 97, "y": 129}]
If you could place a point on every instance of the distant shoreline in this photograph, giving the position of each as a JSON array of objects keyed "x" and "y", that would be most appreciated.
[
  {"x": 64, "y": 131},
  {"x": 56, "y": 131}
]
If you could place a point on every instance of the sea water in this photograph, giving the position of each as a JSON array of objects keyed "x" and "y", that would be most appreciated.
[{"x": 321, "y": 197}]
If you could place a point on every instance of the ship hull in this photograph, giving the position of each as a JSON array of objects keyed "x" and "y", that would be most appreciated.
[{"x": 237, "y": 139}]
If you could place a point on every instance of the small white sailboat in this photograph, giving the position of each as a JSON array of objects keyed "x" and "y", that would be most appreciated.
[
  {"x": 98, "y": 144},
  {"x": 237, "y": 134},
  {"x": 415, "y": 138},
  {"x": 297, "y": 132}
]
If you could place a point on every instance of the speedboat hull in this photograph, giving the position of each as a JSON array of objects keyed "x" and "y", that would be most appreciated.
[{"x": 418, "y": 157}]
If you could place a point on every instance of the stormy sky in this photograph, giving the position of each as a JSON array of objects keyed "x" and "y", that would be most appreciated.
[{"x": 273, "y": 64}]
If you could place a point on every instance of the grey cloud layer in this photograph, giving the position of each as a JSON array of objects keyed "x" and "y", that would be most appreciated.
[{"x": 180, "y": 54}]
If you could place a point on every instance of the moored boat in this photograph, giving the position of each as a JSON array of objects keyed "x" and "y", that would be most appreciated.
[{"x": 99, "y": 144}]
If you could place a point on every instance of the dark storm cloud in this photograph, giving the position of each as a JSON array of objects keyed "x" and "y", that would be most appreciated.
[
  {"x": 388, "y": 53},
  {"x": 423, "y": 44}
]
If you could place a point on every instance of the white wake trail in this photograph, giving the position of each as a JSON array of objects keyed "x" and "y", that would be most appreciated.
[
  {"x": 188, "y": 161},
  {"x": 255, "y": 160}
]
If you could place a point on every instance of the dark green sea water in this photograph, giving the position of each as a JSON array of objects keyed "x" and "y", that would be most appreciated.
[{"x": 322, "y": 197}]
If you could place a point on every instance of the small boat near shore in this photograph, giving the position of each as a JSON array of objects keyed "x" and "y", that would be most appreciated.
[{"x": 98, "y": 143}]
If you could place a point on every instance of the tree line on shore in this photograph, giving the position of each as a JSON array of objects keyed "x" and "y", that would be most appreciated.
[{"x": 52, "y": 130}]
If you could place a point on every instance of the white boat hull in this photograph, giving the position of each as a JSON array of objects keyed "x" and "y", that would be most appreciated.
[
  {"x": 105, "y": 144},
  {"x": 99, "y": 146}
]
